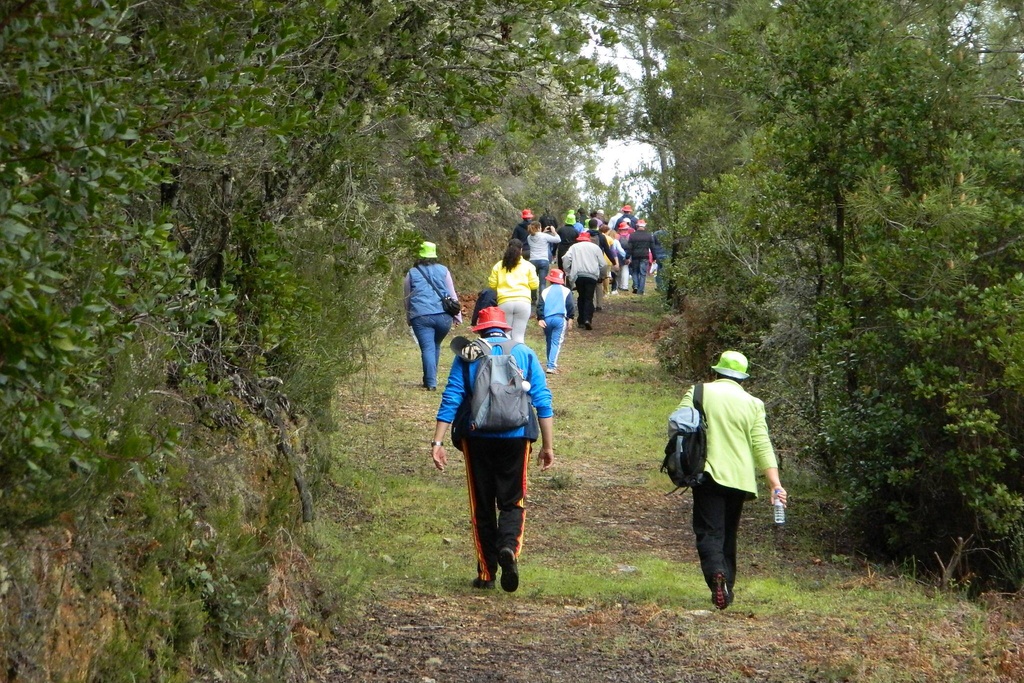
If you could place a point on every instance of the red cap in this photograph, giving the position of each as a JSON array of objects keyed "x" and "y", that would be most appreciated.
[
  {"x": 556, "y": 276},
  {"x": 641, "y": 223},
  {"x": 627, "y": 207},
  {"x": 492, "y": 316},
  {"x": 527, "y": 213},
  {"x": 584, "y": 237}
]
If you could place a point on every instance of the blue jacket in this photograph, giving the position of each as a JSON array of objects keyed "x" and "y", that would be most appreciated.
[
  {"x": 556, "y": 300},
  {"x": 456, "y": 391},
  {"x": 420, "y": 297}
]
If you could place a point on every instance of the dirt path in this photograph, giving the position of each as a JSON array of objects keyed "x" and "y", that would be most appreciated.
[{"x": 615, "y": 507}]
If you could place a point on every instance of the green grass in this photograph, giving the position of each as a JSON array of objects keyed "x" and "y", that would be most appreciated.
[{"x": 394, "y": 527}]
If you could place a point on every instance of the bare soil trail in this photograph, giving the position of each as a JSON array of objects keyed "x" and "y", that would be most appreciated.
[{"x": 791, "y": 621}]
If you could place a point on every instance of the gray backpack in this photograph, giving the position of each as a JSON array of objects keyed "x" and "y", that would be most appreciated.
[{"x": 500, "y": 396}]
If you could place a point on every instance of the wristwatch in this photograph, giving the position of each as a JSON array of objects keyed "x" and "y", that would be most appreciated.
[{"x": 436, "y": 443}]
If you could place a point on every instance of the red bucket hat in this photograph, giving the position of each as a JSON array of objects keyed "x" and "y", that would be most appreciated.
[
  {"x": 641, "y": 223},
  {"x": 583, "y": 237},
  {"x": 556, "y": 276},
  {"x": 627, "y": 207},
  {"x": 492, "y": 316},
  {"x": 527, "y": 213}
]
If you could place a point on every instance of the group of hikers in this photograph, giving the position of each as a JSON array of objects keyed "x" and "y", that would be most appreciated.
[
  {"x": 497, "y": 455},
  {"x": 541, "y": 265}
]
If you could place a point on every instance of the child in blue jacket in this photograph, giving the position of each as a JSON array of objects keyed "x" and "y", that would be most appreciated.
[{"x": 555, "y": 311}]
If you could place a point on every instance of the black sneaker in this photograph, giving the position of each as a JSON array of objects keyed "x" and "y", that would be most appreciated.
[
  {"x": 480, "y": 583},
  {"x": 720, "y": 592},
  {"x": 509, "y": 570},
  {"x": 587, "y": 326}
]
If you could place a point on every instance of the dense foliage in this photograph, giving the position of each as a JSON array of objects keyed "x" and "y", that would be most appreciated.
[
  {"x": 202, "y": 206},
  {"x": 857, "y": 233}
]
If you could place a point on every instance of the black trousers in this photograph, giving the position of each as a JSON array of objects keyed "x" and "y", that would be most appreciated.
[
  {"x": 496, "y": 478},
  {"x": 585, "y": 287},
  {"x": 716, "y": 522}
]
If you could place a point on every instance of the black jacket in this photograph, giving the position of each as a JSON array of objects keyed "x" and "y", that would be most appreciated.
[
  {"x": 486, "y": 299},
  {"x": 641, "y": 243},
  {"x": 521, "y": 232},
  {"x": 568, "y": 234}
]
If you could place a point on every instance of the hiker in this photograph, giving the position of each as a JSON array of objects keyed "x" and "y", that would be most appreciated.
[
  {"x": 496, "y": 465},
  {"x": 567, "y": 234},
  {"x": 547, "y": 220},
  {"x": 599, "y": 234},
  {"x": 522, "y": 231},
  {"x": 620, "y": 261},
  {"x": 623, "y": 232},
  {"x": 584, "y": 264},
  {"x": 661, "y": 256},
  {"x": 484, "y": 299},
  {"x": 581, "y": 218},
  {"x": 541, "y": 240},
  {"x": 425, "y": 284},
  {"x": 624, "y": 216},
  {"x": 737, "y": 446},
  {"x": 641, "y": 244},
  {"x": 515, "y": 280},
  {"x": 555, "y": 312}
]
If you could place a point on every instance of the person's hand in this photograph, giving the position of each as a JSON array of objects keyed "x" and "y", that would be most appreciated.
[
  {"x": 542, "y": 324},
  {"x": 779, "y": 493},
  {"x": 546, "y": 457},
  {"x": 440, "y": 457}
]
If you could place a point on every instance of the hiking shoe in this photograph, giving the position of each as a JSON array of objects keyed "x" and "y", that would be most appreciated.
[
  {"x": 480, "y": 583},
  {"x": 720, "y": 592},
  {"x": 588, "y": 326},
  {"x": 509, "y": 570}
]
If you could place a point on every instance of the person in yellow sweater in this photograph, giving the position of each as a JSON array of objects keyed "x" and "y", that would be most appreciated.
[
  {"x": 738, "y": 447},
  {"x": 515, "y": 280}
]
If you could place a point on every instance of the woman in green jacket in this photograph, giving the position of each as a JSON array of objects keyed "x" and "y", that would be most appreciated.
[{"x": 738, "y": 446}]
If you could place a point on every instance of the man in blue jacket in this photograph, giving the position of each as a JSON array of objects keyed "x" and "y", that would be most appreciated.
[{"x": 496, "y": 462}]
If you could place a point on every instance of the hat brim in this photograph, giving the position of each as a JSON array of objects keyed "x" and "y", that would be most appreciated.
[
  {"x": 490, "y": 325},
  {"x": 729, "y": 372},
  {"x": 556, "y": 280},
  {"x": 457, "y": 344}
]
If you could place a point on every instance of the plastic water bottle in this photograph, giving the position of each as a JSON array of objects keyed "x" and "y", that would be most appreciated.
[{"x": 780, "y": 509}]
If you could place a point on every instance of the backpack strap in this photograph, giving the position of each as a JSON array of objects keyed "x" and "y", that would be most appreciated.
[{"x": 698, "y": 400}]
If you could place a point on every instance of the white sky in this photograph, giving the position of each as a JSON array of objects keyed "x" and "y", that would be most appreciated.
[{"x": 623, "y": 156}]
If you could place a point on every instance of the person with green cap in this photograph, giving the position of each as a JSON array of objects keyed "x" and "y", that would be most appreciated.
[
  {"x": 426, "y": 284},
  {"x": 738, "y": 446},
  {"x": 567, "y": 235}
]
